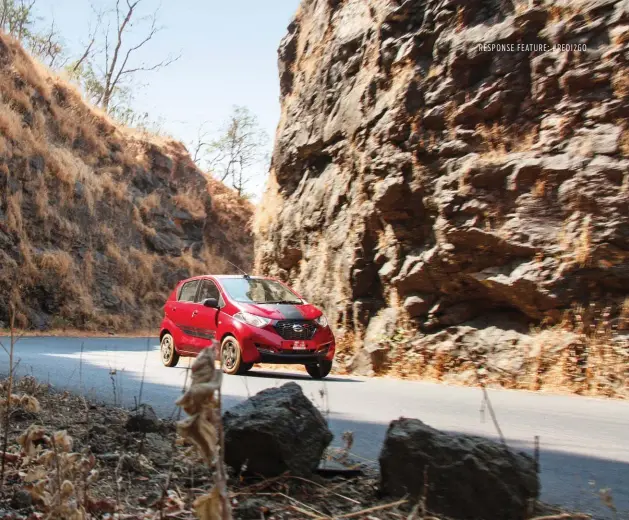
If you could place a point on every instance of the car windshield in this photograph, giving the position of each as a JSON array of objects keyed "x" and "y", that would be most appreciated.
[{"x": 256, "y": 290}]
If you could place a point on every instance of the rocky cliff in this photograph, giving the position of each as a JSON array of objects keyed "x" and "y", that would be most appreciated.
[
  {"x": 452, "y": 166},
  {"x": 98, "y": 223}
]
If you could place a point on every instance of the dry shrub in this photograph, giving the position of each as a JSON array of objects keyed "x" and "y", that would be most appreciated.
[
  {"x": 42, "y": 203},
  {"x": 28, "y": 267},
  {"x": 620, "y": 83},
  {"x": 113, "y": 251},
  {"x": 143, "y": 264},
  {"x": 623, "y": 321},
  {"x": 144, "y": 229},
  {"x": 624, "y": 141},
  {"x": 64, "y": 226},
  {"x": 190, "y": 201},
  {"x": 11, "y": 124},
  {"x": 118, "y": 189},
  {"x": 55, "y": 474},
  {"x": 88, "y": 268},
  {"x": 149, "y": 203},
  {"x": 57, "y": 261},
  {"x": 15, "y": 222},
  {"x": 583, "y": 251},
  {"x": 539, "y": 189},
  {"x": 192, "y": 265},
  {"x": 125, "y": 294},
  {"x": 592, "y": 361}
]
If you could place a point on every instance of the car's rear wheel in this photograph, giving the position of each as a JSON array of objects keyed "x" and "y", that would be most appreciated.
[
  {"x": 320, "y": 369},
  {"x": 231, "y": 357},
  {"x": 169, "y": 355}
]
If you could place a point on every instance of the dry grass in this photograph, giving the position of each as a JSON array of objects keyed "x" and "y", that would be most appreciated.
[
  {"x": 582, "y": 354},
  {"x": 498, "y": 140},
  {"x": 593, "y": 363},
  {"x": 583, "y": 250},
  {"x": 78, "y": 166},
  {"x": 117, "y": 189},
  {"x": 149, "y": 203},
  {"x": 59, "y": 262},
  {"x": 15, "y": 222},
  {"x": 10, "y": 123},
  {"x": 623, "y": 322},
  {"x": 539, "y": 189},
  {"x": 189, "y": 200}
]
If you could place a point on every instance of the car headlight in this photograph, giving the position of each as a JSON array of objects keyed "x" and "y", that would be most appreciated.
[
  {"x": 322, "y": 321},
  {"x": 252, "y": 319}
]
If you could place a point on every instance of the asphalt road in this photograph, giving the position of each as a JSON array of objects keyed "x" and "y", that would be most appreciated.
[{"x": 584, "y": 442}]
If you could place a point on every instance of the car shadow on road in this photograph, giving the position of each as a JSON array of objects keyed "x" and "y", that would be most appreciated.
[{"x": 273, "y": 374}]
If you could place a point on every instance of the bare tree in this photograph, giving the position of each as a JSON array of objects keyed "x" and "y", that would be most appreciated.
[
  {"x": 239, "y": 151},
  {"x": 118, "y": 54},
  {"x": 46, "y": 46}
]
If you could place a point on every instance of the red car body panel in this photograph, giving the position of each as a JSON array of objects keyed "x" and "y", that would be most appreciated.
[{"x": 193, "y": 327}]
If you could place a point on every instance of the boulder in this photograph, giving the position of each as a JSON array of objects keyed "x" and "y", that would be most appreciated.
[
  {"x": 274, "y": 431},
  {"x": 469, "y": 477},
  {"x": 144, "y": 419}
]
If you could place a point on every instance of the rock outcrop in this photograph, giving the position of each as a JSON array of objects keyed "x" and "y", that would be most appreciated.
[
  {"x": 274, "y": 431},
  {"x": 452, "y": 159},
  {"x": 461, "y": 476},
  {"x": 98, "y": 222}
]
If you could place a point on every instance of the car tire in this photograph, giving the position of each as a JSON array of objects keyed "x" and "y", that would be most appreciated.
[
  {"x": 319, "y": 370},
  {"x": 168, "y": 352},
  {"x": 231, "y": 357}
]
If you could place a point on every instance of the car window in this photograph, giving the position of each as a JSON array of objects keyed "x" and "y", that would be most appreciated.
[
  {"x": 258, "y": 290},
  {"x": 188, "y": 291},
  {"x": 208, "y": 290}
]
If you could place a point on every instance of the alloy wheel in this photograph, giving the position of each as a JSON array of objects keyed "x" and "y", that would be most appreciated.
[
  {"x": 230, "y": 355},
  {"x": 167, "y": 348}
]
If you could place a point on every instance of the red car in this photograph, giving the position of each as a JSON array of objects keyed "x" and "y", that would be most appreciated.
[{"x": 253, "y": 319}]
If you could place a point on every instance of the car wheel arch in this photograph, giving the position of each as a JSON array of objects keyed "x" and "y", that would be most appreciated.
[
  {"x": 227, "y": 335},
  {"x": 163, "y": 333}
]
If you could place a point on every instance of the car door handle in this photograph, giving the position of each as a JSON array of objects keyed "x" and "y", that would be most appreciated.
[{"x": 195, "y": 313}]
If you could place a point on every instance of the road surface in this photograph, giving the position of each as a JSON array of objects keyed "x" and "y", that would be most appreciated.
[{"x": 584, "y": 441}]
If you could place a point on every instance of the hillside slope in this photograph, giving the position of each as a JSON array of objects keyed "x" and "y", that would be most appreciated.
[
  {"x": 98, "y": 223},
  {"x": 425, "y": 180}
]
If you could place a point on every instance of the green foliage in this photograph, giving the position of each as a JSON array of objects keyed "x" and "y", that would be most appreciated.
[
  {"x": 17, "y": 18},
  {"x": 238, "y": 151}
]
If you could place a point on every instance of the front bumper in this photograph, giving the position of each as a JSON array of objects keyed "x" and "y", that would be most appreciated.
[
  {"x": 291, "y": 359},
  {"x": 266, "y": 346}
]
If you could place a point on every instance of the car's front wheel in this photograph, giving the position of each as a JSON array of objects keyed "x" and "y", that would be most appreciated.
[
  {"x": 169, "y": 355},
  {"x": 231, "y": 357},
  {"x": 320, "y": 369}
]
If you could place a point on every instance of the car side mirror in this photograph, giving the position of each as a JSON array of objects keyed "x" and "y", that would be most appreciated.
[{"x": 211, "y": 302}]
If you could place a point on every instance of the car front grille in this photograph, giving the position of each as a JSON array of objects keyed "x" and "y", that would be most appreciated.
[{"x": 296, "y": 329}]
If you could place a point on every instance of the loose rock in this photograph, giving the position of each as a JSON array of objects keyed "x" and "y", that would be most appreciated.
[
  {"x": 468, "y": 477},
  {"x": 276, "y": 430}
]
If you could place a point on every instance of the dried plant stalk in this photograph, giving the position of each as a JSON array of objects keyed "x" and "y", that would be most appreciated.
[{"x": 203, "y": 428}]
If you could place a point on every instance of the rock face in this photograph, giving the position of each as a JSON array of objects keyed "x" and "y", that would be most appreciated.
[
  {"x": 419, "y": 167},
  {"x": 276, "y": 430},
  {"x": 98, "y": 222},
  {"x": 468, "y": 477}
]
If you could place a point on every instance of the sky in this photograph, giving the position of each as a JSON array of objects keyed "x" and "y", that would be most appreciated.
[{"x": 228, "y": 54}]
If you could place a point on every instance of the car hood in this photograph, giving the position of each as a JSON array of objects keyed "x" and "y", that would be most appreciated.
[{"x": 282, "y": 311}]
